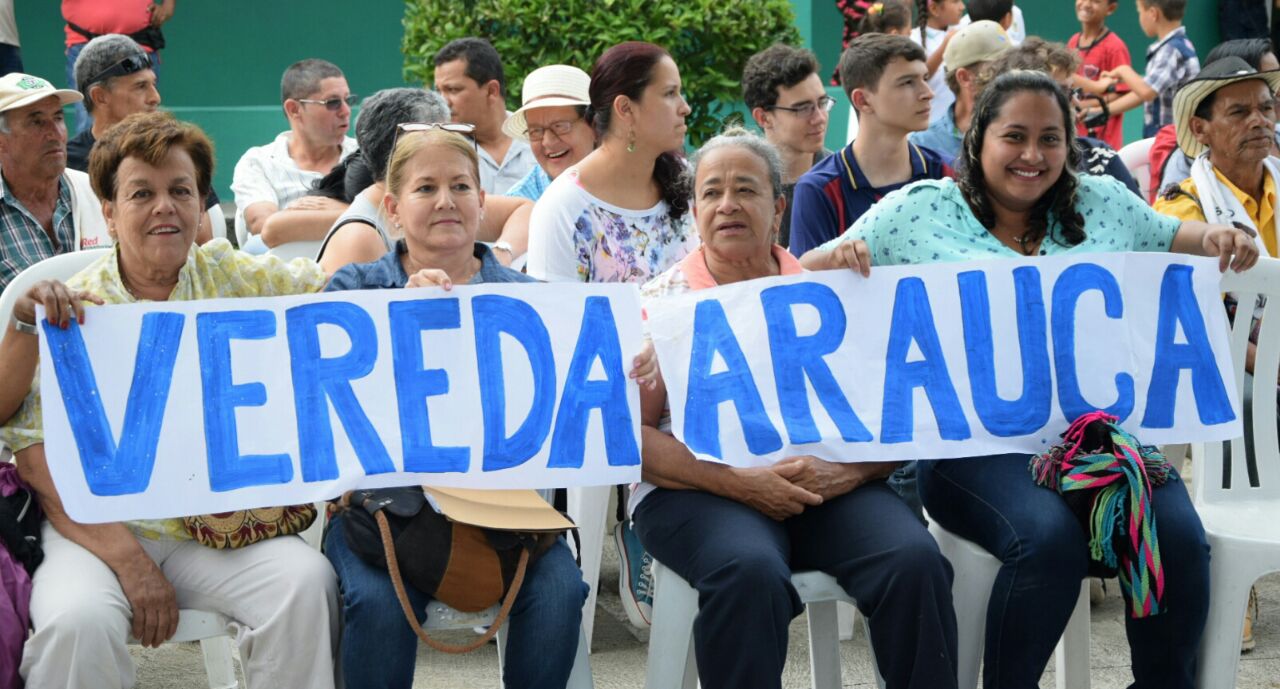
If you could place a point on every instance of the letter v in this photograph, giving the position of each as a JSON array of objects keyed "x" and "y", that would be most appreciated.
[{"x": 107, "y": 469}]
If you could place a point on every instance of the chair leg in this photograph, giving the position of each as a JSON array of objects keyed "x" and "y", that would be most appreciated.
[
  {"x": 847, "y": 616},
  {"x": 875, "y": 664},
  {"x": 824, "y": 645},
  {"x": 1072, "y": 656},
  {"x": 671, "y": 661},
  {"x": 218, "y": 665},
  {"x": 580, "y": 676},
  {"x": 588, "y": 507},
  {"x": 1220, "y": 647}
]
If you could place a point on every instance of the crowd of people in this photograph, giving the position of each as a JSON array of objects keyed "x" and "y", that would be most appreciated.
[{"x": 975, "y": 141}]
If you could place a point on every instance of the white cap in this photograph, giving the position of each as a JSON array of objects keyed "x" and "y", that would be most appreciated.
[{"x": 18, "y": 90}]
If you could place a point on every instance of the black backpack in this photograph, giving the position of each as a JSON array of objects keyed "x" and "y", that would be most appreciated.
[{"x": 20, "y": 520}]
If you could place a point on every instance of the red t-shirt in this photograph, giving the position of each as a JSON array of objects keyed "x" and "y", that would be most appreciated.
[
  {"x": 105, "y": 16},
  {"x": 1106, "y": 54}
]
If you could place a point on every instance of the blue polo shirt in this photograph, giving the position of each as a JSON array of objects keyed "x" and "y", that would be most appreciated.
[{"x": 835, "y": 193}]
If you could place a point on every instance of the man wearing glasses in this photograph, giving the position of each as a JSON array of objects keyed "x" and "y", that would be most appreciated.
[
  {"x": 781, "y": 86},
  {"x": 116, "y": 78},
  {"x": 271, "y": 182}
]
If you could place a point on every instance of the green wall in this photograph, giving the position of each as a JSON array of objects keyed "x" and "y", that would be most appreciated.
[
  {"x": 222, "y": 68},
  {"x": 225, "y": 57}
]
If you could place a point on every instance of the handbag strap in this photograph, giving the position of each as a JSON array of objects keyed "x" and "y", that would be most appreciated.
[{"x": 393, "y": 569}]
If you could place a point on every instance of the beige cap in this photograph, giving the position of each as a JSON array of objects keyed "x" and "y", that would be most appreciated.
[
  {"x": 547, "y": 87},
  {"x": 980, "y": 41},
  {"x": 18, "y": 90}
]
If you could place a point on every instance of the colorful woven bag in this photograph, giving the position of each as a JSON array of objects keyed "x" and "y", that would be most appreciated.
[
  {"x": 1106, "y": 477},
  {"x": 245, "y": 527}
]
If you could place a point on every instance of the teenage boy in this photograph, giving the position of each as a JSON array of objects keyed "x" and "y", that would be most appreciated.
[
  {"x": 781, "y": 86},
  {"x": 1101, "y": 50},
  {"x": 884, "y": 78},
  {"x": 1171, "y": 60},
  {"x": 970, "y": 50}
]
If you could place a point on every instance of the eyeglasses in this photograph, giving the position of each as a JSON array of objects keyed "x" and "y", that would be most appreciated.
[
  {"x": 807, "y": 109},
  {"x": 560, "y": 129},
  {"x": 331, "y": 104},
  {"x": 467, "y": 130},
  {"x": 129, "y": 65}
]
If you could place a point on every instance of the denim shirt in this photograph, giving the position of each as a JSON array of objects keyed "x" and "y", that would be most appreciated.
[{"x": 388, "y": 272}]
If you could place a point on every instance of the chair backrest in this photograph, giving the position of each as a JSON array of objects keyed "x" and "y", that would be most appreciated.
[
  {"x": 1222, "y": 470},
  {"x": 306, "y": 249},
  {"x": 60, "y": 267},
  {"x": 1137, "y": 157},
  {"x": 218, "y": 223}
]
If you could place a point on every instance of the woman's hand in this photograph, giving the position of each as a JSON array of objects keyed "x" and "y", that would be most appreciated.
[
  {"x": 852, "y": 254},
  {"x": 1233, "y": 246},
  {"x": 769, "y": 490},
  {"x": 431, "y": 277},
  {"x": 60, "y": 302},
  {"x": 153, "y": 600},
  {"x": 644, "y": 368}
]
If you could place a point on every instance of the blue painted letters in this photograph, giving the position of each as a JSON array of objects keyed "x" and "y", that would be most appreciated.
[
  {"x": 1073, "y": 282},
  {"x": 913, "y": 321},
  {"x": 494, "y": 315},
  {"x": 414, "y": 384}
]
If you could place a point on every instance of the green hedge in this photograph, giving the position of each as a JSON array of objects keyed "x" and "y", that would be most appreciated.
[{"x": 709, "y": 39}]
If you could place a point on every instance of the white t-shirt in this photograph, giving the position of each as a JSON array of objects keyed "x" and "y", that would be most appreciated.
[
  {"x": 574, "y": 236},
  {"x": 942, "y": 96},
  {"x": 8, "y": 27},
  {"x": 268, "y": 174}
]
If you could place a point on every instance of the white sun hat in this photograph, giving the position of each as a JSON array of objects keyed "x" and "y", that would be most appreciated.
[{"x": 547, "y": 87}]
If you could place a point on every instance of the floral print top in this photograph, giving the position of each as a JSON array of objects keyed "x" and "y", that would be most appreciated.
[{"x": 574, "y": 236}]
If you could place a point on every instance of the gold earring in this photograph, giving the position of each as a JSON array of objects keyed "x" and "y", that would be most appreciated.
[{"x": 631, "y": 141}]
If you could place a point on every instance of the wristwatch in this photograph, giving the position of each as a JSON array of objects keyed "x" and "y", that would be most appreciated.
[
  {"x": 23, "y": 326},
  {"x": 504, "y": 246}
]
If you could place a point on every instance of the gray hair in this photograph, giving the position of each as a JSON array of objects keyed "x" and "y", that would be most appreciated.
[
  {"x": 742, "y": 138},
  {"x": 381, "y": 112},
  {"x": 97, "y": 56},
  {"x": 303, "y": 78}
]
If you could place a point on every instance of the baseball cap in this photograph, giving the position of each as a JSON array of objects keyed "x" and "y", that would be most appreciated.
[{"x": 980, "y": 41}]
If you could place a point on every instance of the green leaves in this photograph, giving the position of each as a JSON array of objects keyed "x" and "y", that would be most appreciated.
[{"x": 709, "y": 39}]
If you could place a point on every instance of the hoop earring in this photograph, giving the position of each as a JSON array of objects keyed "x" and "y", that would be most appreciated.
[{"x": 631, "y": 140}]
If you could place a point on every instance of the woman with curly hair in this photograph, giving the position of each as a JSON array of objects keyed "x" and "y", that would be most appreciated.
[{"x": 1017, "y": 194}]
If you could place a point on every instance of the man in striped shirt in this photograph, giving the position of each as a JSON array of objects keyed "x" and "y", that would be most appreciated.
[{"x": 45, "y": 209}]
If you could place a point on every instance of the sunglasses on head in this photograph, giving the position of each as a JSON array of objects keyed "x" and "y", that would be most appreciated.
[
  {"x": 467, "y": 130},
  {"x": 331, "y": 104},
  {"x": 129, "y": 65}
]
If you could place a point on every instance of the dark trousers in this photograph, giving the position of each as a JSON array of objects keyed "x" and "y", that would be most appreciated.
[
  {"x": 740, "y": 562},
  {"x": 993, "y": 502}
]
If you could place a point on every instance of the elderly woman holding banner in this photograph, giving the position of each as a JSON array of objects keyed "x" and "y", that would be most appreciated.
[
  {"x": 1018, "y": 195},
  {"x": 100, "y": 584},
  {"x": 737, "y": 534},
  {"x": 433, "y": 198}
]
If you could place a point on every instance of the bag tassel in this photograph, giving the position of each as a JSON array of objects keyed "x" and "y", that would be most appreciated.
[{"x": 1123, "y": 477}]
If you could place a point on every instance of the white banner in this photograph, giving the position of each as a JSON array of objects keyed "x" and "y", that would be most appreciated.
[
  {"x": 170, "y": 409},
  {"x": 947, "y": 360}
]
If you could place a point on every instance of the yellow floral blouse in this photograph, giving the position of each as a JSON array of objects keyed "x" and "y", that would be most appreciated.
[{"x": 214, "y": 270}]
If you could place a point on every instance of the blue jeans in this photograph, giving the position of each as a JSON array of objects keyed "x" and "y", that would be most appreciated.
[
  {"x": 83, "y": 119},
  {"x": 379, "y": 648},
  {"x": 740, "y": 562},
  {"x": 993, "y": 502}
]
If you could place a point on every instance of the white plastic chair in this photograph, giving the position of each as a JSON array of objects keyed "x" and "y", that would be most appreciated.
[
  {"x": 588, "y": 507},
  {"x": 1137, "y": 157},
  {"x": 291, "y": 250},
  {"x": 209, "y": 628},
  {"x": 671, "y": 663},
  {"x": 218, "y": 222},
  {"x": 1240, "y": 508},
  {"x": 975, "y": 573}
]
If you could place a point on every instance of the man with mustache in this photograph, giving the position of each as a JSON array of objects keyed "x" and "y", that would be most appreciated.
[{"x": 45, "y": 209}]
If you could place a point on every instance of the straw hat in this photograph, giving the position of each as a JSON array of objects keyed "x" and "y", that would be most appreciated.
[
  {"x": 547, "y": 87},
  {"x": 1215, "y": 75}
]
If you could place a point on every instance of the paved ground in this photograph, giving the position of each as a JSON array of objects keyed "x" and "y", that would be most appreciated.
[{"x": 618, "y": 656}]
